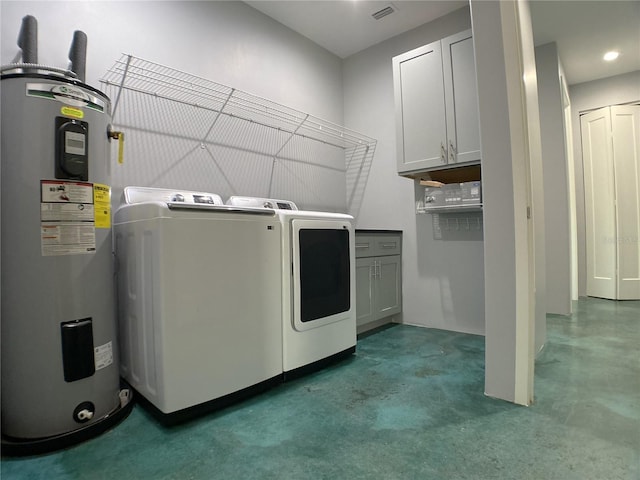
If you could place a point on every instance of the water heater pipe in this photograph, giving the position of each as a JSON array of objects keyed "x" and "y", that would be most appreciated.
[
  {"x": 28, "y": 39},
  {"x": 78, "y": 54}
]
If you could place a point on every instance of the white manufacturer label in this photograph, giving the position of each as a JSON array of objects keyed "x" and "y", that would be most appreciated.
[
  {"x": 67, "y": 218},
  {"x": 67, "y": 238},
  {"x": 66, "y": 212},
  {"x": 103, "y": 355}
]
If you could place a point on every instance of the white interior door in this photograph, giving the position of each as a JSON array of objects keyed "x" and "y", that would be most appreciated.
[
  {"x": 611, "y": 155},
  {"x": 599, "y": 203},
  {"x": 571, "y": 188},
  {"x": 625, "y": 123}
]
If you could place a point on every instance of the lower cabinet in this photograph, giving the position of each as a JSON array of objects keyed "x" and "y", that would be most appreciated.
[{"x": 378, "y": 279}]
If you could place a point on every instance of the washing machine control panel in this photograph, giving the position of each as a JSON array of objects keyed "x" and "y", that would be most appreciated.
[
  {"x": 147, "y": 194},
  {"x": 257, "y": 202},
  {"x": 207, "y": 199}
]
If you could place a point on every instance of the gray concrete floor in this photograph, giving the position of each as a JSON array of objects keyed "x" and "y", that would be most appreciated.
[{"x": 408, "y": 405}]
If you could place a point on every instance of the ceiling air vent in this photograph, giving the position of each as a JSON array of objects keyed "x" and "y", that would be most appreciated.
[{"x": 388, "y": 10}]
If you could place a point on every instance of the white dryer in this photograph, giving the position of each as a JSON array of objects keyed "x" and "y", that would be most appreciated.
[
  {"x": 199, "y": 298},
  {"x": 318, "y": 284}
]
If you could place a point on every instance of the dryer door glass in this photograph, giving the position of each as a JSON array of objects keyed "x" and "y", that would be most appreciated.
[{"x": 324, "y": 273}]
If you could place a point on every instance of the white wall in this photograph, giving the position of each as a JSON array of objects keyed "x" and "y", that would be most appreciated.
[
  {"x": 226, "y": 42},
  {"x": 510, "y": 136},
  {"x": 556, "y": 199},
  {"x": 587, "y": 96},
  {"x": 443, "y": 280}
]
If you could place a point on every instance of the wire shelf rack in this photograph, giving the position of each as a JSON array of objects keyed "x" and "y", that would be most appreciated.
[{"x": 151, "y": 98}]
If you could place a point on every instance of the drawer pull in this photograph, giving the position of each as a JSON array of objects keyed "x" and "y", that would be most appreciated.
[
  {"x": 362, "y": 245},
  {"x": 388, "y": 245}
]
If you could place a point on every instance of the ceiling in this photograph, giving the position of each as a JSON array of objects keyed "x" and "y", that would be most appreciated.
[
  {"x": 345, "y": 27},
  {"x": 583, "y": 30}
]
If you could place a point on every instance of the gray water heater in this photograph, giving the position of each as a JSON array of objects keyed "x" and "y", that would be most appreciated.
[{"x": 60, "y": 380}]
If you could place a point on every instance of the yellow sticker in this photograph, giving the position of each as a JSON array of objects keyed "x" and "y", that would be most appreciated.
[
  {"x": 72, "y": 112},
  {"x": 102, "y": 205}
]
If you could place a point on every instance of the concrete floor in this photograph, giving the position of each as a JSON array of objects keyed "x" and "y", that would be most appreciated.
[{"x": 408, "y": 405}]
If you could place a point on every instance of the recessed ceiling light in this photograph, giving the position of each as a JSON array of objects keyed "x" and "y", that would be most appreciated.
[{"x": 610, "y": 56}]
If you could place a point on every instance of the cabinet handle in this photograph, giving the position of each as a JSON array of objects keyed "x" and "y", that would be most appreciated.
[
  {"x": 443, "y": 153},
  {"x": 376, "y": 272},
  {"x": 372, "y": 270},
  {"x": 362, "y": 245},
  {"x": 388, "y": 245},
  {"x": 452, "y": 151}
]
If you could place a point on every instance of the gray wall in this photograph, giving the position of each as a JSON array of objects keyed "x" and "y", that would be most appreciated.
[
  {"x": 227, "y": 42},
  {"x": 588, "y": 96},
  {"x": 233, "y": 44},
  {"x": 555, "y": 184},
  {"x": 443, "y": 280}
]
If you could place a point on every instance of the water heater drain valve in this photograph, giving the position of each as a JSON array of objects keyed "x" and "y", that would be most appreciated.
[{"x": 84, "y": 412}]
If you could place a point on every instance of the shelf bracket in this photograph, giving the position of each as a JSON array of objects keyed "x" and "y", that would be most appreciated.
[
  {"x": 124, "y": 77},
  {"x": 218, "y": 113},
  {"x": 275, "y": 155}
]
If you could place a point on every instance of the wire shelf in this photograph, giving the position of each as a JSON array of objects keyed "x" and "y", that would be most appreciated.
[
  {"x": 156, "y": 99},
  {"x": 143, "y": 76}
]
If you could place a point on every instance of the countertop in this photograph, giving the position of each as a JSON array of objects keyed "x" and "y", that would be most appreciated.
[{"x": 360, "y": 230}]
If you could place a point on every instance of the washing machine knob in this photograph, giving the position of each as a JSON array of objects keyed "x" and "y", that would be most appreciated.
[{"x": 178, "y": 197}]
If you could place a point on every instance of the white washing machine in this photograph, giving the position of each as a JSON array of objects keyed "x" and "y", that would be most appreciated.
[
  {"x": 318, "y": 284},
  {"x": 199, "y": 295}
]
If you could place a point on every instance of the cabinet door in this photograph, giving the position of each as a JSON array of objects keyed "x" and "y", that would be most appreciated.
[
  {"x": 388, "y": 286},
  {"x": 364, "y": 290},
  {"x": 420, "y": 108},
  {"x": 461, "y": 95}
]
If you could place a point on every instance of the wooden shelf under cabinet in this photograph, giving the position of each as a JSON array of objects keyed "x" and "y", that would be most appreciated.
[{"x": 470, "y": 173}]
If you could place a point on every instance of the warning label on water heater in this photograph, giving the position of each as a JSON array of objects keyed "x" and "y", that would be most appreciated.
[
  {"x": 102, "y": 204},
  {"x": 67, "y": 218},
  {"x": 103, "y": 355}
]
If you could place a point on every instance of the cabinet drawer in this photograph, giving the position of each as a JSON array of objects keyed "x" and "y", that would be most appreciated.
[
  {"x": 365, "y": 245},
  {"x": 388, "y": 245},
  {"x": 378, "y": 244}
]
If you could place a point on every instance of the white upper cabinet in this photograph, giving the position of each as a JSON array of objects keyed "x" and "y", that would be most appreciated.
[
  {"x": 437, "y": 105},
  {"x": 461, "y": 96},
  {"x": 421, "y": 128}
]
